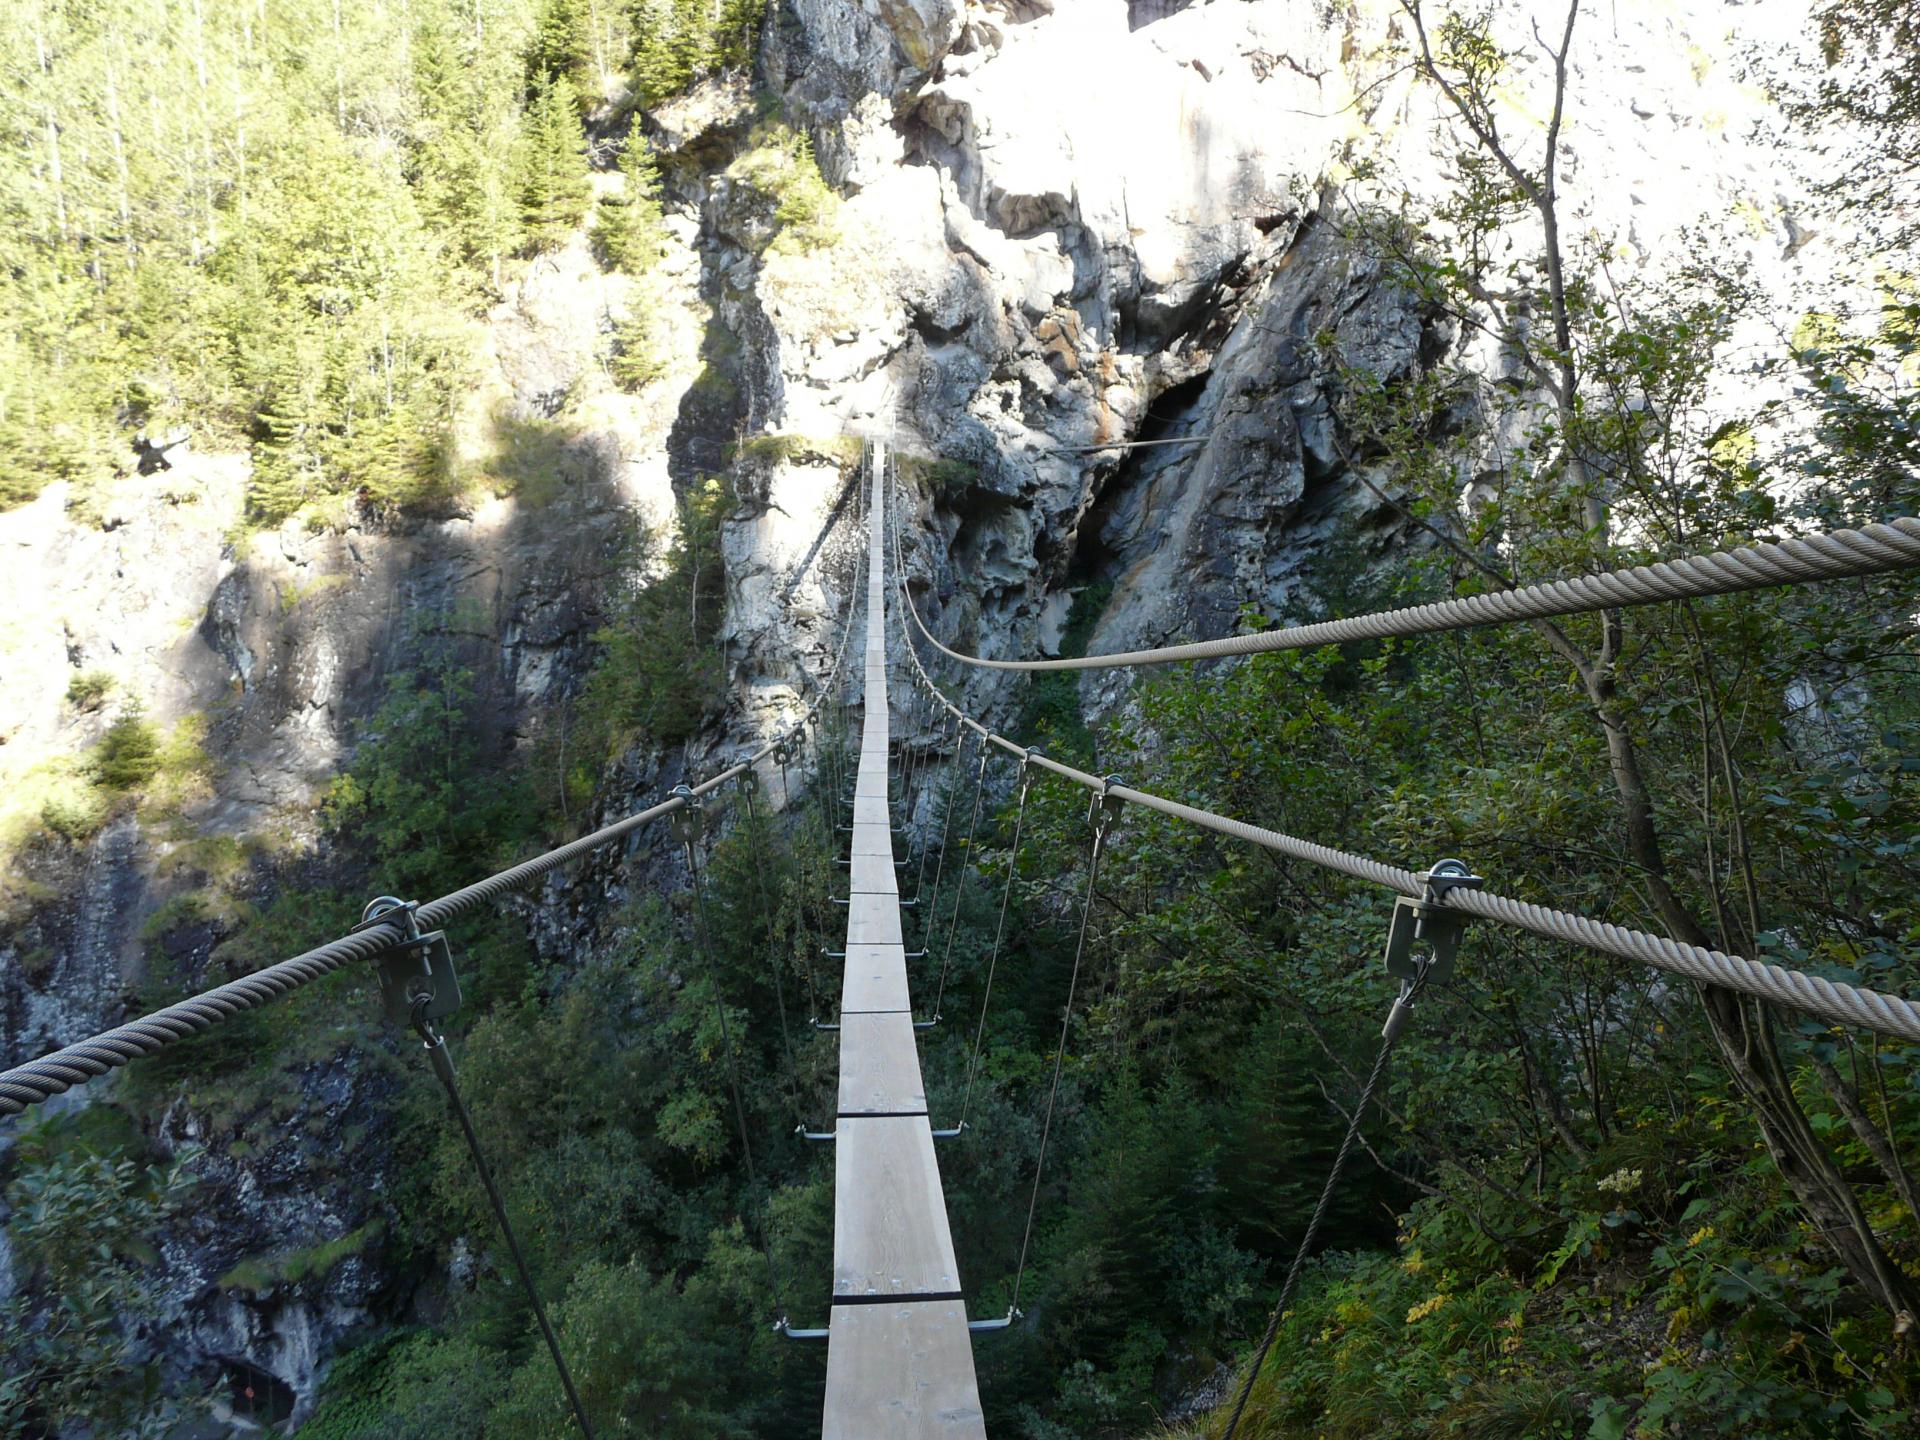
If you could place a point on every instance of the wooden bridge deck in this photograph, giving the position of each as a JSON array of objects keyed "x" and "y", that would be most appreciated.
[{"x": 899, "y": 1355}]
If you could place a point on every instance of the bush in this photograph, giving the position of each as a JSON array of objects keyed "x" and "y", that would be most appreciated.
[
  {"x": 74, "y": 808},
  {"x": 88, "y": 688},
  {"x": 128, "y": 754}
]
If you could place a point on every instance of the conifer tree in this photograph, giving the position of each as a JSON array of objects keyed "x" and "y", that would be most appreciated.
[
  {"x": 561, "y": 49},
  {"x": 554, "y": 188},
  {"x": 630, "y": 228}
]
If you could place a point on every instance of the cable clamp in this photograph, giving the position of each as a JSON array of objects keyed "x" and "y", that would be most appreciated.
[
  {"x": 749, "y": 780},
  {"x": 782, "y": 752},
  {"x": 417, "y": 979},
  {"x": 1104, "y": 812},
  {"x": 689, "y": 824},
  {"x": 1029, "y": 767},
  {"x": 1424, "y": 936}
]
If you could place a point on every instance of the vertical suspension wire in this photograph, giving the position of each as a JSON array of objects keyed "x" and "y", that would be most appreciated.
[
  {"x": 442, "y": 1062},
  {"x": 750, "y": 783},
  {"x": 1103, "y": 815},
  {"x": 1389, "y": 1038},
  {"x": 940, "y": 866},
  {"x": 993, "y": 957},
  {"x": 774, "y": 1282},
  {"x": 939, "y": 742},
  {"x": 960, "y": 878}
]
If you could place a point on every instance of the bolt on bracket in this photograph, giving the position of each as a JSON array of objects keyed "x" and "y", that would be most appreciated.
[{"x": 419, "y": 966}]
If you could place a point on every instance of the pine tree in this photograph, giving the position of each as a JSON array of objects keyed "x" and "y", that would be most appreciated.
[
  {"x": 554, "y": 187},
  {"x": 561, "y": 49},
  {"x": 631, "y": 229}
]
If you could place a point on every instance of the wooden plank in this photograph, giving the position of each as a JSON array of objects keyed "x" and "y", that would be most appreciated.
[
  {"x": 871, "y": 839},
  {"x": 872, "y": 810},
  {"x": 901, "y": 1372},
  {"x": 880, "y": 1066},
  {"x": 873, "y": 920},
  {"x": 890, "y": 1234},
  {"x": 875, "y": 979},
  {"x": 873, "y": 875}
]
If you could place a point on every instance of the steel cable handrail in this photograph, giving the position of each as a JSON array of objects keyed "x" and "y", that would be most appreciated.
[
  {"x": 1829, "y": 999},
  {"x": 1835, "y": 555},
  {"x": 60, "y": 1070}
]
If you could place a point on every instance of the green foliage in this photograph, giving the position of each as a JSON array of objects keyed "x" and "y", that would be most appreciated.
[
  {"x": 554, "y": 186},
  {"x": 74, "y": 808},
  {"x": 81, "y": 1217},
  {"x": 410, "y": 799},
  {"x": 676, "y": 42},
  {"x": 1052, "y": 713},
  {"x": 407, "y": 1385},
  {"x": 562, "y": 48},
  {"x": 657, "y": 671},
  {"x": 128, "y": 755},
  {"x": 638, "y": 357},
  {"x": 282, "y": 263},
  {"x": 839, "y": 450},
  {"x": 630, "y": 228},
  {"x": 88, "y": 689},
  {"x": 291, "y": 1267},
  {"x": 778, "y": 162}
]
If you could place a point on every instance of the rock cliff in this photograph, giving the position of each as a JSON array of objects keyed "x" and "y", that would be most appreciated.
[{"x": 1063, "y": 226}]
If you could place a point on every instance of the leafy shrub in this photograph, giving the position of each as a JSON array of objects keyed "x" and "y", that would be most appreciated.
[
  {"x": 88, "y": 688},
  {"x": 779, "y": 163},
  {"x": 128, "y": 755},
  {"x": 74, "y": 808}
]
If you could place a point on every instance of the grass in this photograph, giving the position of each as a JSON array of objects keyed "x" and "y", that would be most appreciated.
[
  {"x": 839, "y": 450},
  {"x": 290, "y": 1267}
]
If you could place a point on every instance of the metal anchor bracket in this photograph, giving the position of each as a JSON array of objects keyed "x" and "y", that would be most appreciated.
[
  {"x": 419, "y": 967},
  {"x": 1424, "y": 936},
  {"x": 1029, "y": 768},
  {"x": 689, "y": 822},
  {"x": 1104, "y": 811}
]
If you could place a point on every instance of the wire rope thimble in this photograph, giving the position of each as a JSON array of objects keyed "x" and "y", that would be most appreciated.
[
  {"x": 418, "y": 984},
  {"x": 689, "y": 822},
  {"x": 1104, "y": 811},
  {"x": 1424, "y": 936}
]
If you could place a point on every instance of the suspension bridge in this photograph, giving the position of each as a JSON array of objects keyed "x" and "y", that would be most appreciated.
[{"x": 899, "y": 1341}]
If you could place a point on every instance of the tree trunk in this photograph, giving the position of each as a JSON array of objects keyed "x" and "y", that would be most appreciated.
[{"x": 1743, "y": 1032}]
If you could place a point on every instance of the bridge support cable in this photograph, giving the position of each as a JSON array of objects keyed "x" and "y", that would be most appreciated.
[
  {"x": 688, "y": 824},
  {"x": 1390, "y": 1036},
  {"x": 1832, "y": 1000},
  {"x": 442, "y": 1063},
  {"x": 993, "y": 955},
  {"x": 960, "y": 882},
  {"x": 1101, "y": 817},
  {"x": 1836, "y": 555}
]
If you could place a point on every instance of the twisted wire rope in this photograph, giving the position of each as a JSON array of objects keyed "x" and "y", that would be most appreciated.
[
  {"x": 1829, "y": 999},
  {"x": 60, "y": 1070},
  {"x": 1835, "y": 555}
]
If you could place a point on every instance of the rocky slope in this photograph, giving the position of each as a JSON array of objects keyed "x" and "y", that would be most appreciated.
[{"x": 1061, "y": 226}]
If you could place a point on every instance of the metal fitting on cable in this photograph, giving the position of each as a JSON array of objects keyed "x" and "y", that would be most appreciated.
[
  {"x": 1424, "y": 937},
  {"x": 689, "y": 823},
  {"x": 417, "y": 979},
  {"x": 1029, "y": 768},
  {"x": 1104, "y": 811}
]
